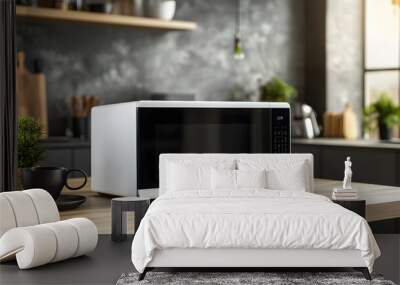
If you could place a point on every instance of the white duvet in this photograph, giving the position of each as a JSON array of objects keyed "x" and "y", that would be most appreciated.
[{"x": 250, "y": 219}]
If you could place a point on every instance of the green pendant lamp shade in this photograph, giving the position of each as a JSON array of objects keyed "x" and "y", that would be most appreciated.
[{"x": 238, "y": 53}]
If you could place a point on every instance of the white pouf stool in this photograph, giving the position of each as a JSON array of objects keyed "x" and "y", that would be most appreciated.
[{"x": 31, "y": 230}]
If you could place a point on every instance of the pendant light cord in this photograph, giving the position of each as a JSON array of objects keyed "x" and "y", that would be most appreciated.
[{"x": 237, "y": 28}]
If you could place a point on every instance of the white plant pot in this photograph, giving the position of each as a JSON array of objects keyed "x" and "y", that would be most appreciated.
[{"x": 160, "y": 9}]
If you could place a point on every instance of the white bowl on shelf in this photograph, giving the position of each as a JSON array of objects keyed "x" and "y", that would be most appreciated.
[
  {"x": 138, "y": 8},
  {"x": 160, "y": 9}
]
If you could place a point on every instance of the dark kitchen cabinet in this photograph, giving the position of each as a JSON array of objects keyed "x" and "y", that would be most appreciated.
[
  {"x": 81, "y": 159},
  {"x": 373, "y": 162},
  {"x": 68, "y": 154},
  {"x": 57, "y": 157},
  {"x": 369, "y": 165}
]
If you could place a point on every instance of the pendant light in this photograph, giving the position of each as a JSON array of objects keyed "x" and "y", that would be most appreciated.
[{"x": 237, "y": 48}]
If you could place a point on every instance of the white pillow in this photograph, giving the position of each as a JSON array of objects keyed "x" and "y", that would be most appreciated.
[
  {"x": 284, "y": 172},
  {"x": 181, "y": 177},
  {"x": 193, "y": 174},
  {"x": 236, "y": 179},
  {"x": 294, "y": 178},
  {"x": 251, "y": 178},
  {"x": 223, "y": 179}
]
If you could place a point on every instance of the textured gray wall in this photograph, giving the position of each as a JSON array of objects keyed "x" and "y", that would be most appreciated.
[
  {"x": 124, "y": 64},
  {"x": 344, "y": 55}
]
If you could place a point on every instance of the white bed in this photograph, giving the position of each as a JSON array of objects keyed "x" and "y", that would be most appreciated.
[{"x": 248, "y": 227}]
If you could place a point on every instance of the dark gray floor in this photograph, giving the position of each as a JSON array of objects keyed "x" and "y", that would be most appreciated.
[
  {"x": 111, "y": 259},
  {"x": 103, "y": 266},
  {"x": 388, "y": 264}
]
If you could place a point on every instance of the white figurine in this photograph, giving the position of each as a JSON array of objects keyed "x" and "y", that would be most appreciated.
[{"x": 348, "y": 173}]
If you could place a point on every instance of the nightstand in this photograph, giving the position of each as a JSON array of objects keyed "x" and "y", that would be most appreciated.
[
  {"x": 357, "y": 206},
  {"x": 119, "y": 207}
]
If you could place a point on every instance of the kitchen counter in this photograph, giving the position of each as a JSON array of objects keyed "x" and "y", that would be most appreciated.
[
  {"x": 60, "y": 142},
  {"x": 374, "y": 162},
  {"x": 349, "y": 143}
]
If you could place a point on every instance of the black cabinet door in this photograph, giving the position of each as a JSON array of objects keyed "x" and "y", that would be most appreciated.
[
  {"x": 370, "y": 165},
  {"x": 58, "y": 158},
  {"x": 68, "y": 158},
  {"x": 81, "y": 159},
  {"x": 376, "y": 166}
]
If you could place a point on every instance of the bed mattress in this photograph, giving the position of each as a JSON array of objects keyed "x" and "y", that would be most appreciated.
[{"x": 250, "y": 219}]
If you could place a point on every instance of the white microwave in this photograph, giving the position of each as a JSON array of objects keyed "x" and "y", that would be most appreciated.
[{"x": 127, "y": 138}]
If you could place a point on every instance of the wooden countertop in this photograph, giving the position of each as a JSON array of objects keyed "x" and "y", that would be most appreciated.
[
  {"x": 96, "y": 208},
  {"x": 383, "y": 202}
]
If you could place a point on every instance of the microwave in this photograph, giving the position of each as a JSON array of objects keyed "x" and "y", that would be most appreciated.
[{"x": 127, "y": 138}]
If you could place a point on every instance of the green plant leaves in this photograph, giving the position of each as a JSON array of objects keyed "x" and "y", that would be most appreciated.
[
  {"x": 28, "y": 136},
  {"x": 383, "y": 110},
  {"x": 276, "y": 90}
]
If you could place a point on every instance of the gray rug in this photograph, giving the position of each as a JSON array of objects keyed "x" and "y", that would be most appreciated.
[{"x": 269, "y": 278}]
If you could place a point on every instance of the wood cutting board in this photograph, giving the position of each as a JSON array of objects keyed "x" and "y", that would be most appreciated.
[{"x": 31, "y": 94}]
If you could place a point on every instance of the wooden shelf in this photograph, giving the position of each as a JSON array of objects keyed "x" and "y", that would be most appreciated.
[{"x": 100, "y": 18}]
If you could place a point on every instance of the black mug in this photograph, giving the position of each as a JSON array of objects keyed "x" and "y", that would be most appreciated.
[{"x": 51, "y": 179}]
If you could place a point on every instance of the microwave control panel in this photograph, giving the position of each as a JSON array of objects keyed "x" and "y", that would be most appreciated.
[{"x": 280, "y": 121}]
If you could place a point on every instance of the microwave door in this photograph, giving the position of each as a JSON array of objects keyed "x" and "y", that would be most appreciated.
[
  {"x": 260, "y": 134},
  {"x": 205, "y": 130}
]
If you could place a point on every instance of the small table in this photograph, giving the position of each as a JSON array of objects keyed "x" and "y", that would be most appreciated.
[
  {"x": 119, "y": 207},
  {"x": 357, "y": 206}
]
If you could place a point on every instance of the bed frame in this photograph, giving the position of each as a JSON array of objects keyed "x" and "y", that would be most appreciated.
[{"x": 240, "y": 259}]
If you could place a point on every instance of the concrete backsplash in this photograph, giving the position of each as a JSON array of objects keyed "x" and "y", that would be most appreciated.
[
  {"x": 123, "y": 64},
  {"x": 344, "y": 56}
]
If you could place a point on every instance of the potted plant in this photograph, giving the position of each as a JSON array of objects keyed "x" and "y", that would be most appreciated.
[
  {"x": 30, "y": 153},
  {"x": 385, "y": 113},
  {"x": 277, "y": 90}
]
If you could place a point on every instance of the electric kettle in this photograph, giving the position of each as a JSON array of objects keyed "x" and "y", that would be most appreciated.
[{"x": 304, "y": 124}]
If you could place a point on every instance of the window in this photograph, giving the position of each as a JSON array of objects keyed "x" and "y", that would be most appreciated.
[{"x": 381, "y": 49}]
